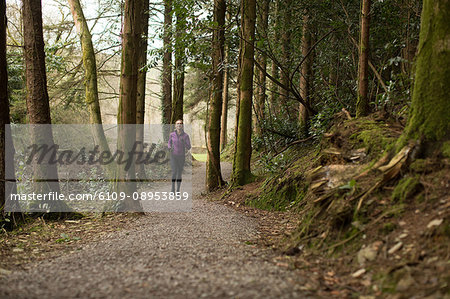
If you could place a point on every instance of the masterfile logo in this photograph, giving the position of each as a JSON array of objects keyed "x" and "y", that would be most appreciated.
[{"x": 95, "y": 168}]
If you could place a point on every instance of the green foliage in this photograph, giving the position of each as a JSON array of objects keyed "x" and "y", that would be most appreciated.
[
  {"x": 66, "y": 238},
  {"x": 276, "y": 131},
  {"x": 279, "y": 197},
  {"x": 406, "y": 188},
  {"x": 373, "y": 136},
  {"x": 446, "y": 149},
  {"x": 16, "y": 86}
]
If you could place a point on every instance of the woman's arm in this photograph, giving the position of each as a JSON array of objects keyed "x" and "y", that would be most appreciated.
[{"x": 187, "y": 143}]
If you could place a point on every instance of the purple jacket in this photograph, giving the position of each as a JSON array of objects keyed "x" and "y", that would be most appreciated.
[{"x": 179, "y": 143}]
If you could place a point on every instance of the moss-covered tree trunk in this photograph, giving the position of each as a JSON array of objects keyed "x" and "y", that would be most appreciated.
[
  {"x": 132, "y": 30},
  {"x": 167, "y": 68},
  {"x": 180, "y": 46},
  {"x": 89, "y": 62},
  {"x": 241, "y": 165},
  {"x": 141, "y": 86},
  {"x": 430, "y": 108},
  {"x": 90, "y": 75},
  {"x": 362, "y": 104},
  {"x": 306, "y": 74},
  {"x": 213, "y": 173}
]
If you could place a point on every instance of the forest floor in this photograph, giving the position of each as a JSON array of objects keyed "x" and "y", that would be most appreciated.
[
  {"x": 391, "y": 248},
  {"x": 212, "y": 252}
]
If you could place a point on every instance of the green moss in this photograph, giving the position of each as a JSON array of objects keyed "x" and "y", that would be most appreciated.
[
  {"x": 388, "y": 228},
  {"x": 373, "y": 136},
  {"x": 446, "y": 149},
  {"x": 276, "y": 198},
  {"x": 430, "y": 107},
  {"x": 418, "y": 165},
  {"x": 406, "y": 188}
]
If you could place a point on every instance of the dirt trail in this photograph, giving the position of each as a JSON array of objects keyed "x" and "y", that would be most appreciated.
[{"x": 203, "y": 253}]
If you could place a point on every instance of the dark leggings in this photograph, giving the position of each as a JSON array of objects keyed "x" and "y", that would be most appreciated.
[{"x": 177, "y": 164}]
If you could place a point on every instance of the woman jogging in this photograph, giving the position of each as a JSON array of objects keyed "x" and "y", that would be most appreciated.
[{"x": 178, "y": 144}]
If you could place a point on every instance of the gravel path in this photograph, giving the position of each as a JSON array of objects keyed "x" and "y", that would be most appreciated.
[{"x": 177, "y": 255}]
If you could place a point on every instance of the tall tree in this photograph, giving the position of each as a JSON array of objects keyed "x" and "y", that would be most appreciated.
[
  {"x": 306, "y": 73},
  {"x": 274, "y": 88},
  {"x": 90, "y": 74},
  {"x": 141, "y": 85},
  {"x": 180, "y": 47},
  {"x": 362, "y": 104},
  {"x": 286, "y": 52},
  {"x": 89, "y": 62},
  {"x": 131, "y": 40},
  {"x": 225, "y": 98},
  {"x": 4, "y": 102},
  {"x": 241, "y": 165},
  {"x": 4, "y": 115},
  {"x": 213, "y": 174},
  {"x": 38, "y": 107},
  {"x": 167, "y": 65},
  {"x": 262, "y": 29},
  {"x": 430, "y": 107}
]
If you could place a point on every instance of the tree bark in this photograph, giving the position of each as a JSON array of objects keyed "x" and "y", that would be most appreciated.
[
  {"x": 132, "y": 30},
  {"x": 141, "y": 86},
  {"x": 275, "y": 89},
  {"x": 286, "y": 53},
  {"x": 224, "y": 120},
  {"x": 305, "y": 75},
  {"x": 38, "y": 107},
  {"x": 430, "y": 107},
  {"x": 89, "y": 63},
  {"x": 362, "y": 104},
  {"x": 260, "y": 99},
  {"x": 178, "y": 88},
  {"x": 241, "y": 167},
  {"x": 90, "y": 71},
  {"x": 167, "y": 68},
  {"x": 5, "y": 165},
  {"x": 4, "y": 103},
  {"x": 213, "y": 175}
]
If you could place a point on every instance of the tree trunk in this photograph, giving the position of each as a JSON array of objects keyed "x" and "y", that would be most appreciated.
[
  {"x": 38, "y": 107},
  {"x": 141, "y": 86},
  {"x": 213, "y": 174},
  {"x": 260, "y": 100},
  {"x": 223, "y": 122},
  {"x": 5, "y": 165},
  {"x": 4, "y": 103},
  {"x": 286, "y": 53},
  {"x": 90, "y": 71},
  {"x": 430, "y": 107},
  {"x": 178, "y": 88},
  {"x": 132, "y": 30},
  {"x": 275, "y": 90},
  {"x": 238, "y": 84},
  {"x": 167, "y": 68},
  {"x": 89, "y": 62},
  {"x": 305, "y": 76},
  {"x": 362, "y": 104},
  {"x": 241, "y": 167}
]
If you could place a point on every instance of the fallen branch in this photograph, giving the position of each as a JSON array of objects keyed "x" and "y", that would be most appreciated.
[{"x": 291, "y": 144}]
